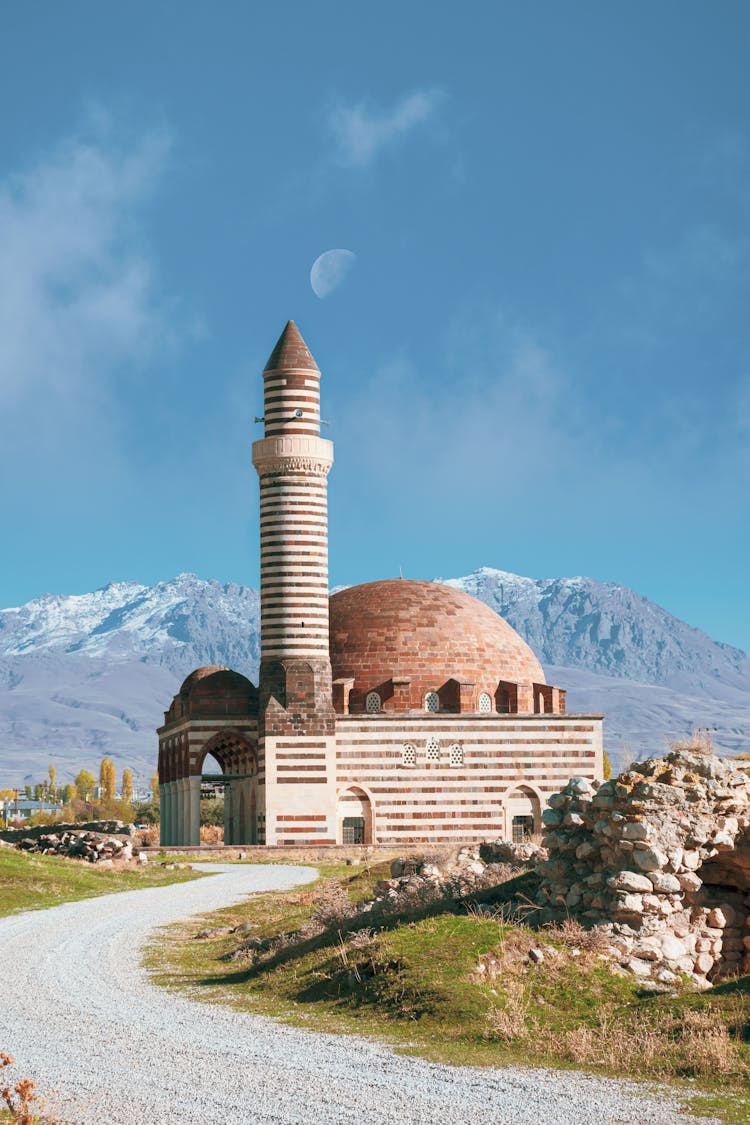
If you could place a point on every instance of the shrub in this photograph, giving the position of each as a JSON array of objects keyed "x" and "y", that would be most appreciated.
[
  {"x": 20, "y": 1098},
  {"x": 211, "y": 834}
]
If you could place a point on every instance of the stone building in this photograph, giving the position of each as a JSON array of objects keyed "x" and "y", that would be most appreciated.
[{"x": 394, "y": 712}]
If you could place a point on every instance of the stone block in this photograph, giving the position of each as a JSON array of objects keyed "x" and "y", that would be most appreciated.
[
  {"x": 630, "y": 881},
  {"x": 664, "y": 882},
  {"x": 650, "y": 859}
]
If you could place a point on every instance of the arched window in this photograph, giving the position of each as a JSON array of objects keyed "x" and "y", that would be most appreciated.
[
  {"x": 456, "y": 755},
  {"x": 433, "y": 750},
  {"x": 432, "y": 701},
  {"x": 408, "y": 754},
  {"x": 372, "y": 702},
  {"x": 485, "y": 703}
]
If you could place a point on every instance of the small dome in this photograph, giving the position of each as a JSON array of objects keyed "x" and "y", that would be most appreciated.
[
  {"x": 200, "y": 674},
  {"x": 425, "y": 632},
  {"x": 214, "y": 690}
]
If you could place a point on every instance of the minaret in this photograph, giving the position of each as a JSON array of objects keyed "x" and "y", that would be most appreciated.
[{"x": 293, "y": 461}]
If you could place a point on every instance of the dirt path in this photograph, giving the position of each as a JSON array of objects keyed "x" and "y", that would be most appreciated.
[{"x": 82, "y": 1019}]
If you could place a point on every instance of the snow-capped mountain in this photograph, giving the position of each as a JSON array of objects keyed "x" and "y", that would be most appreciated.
[
  {"x": 185, "y": 621},
  {"x": 86, "y": 675},
  {"x": 609, "y": 629}
]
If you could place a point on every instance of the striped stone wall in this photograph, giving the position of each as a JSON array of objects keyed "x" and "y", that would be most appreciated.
[
  {"x": 501, "y": 764},
  {"x": 293, "y": 546},
  {"x": 300, "y": 790}
]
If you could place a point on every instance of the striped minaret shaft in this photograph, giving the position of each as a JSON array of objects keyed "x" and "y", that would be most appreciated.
[{"x": 293, "y": 462}]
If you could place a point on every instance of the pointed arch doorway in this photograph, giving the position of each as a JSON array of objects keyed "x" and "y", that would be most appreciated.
[{"x": 354, "y": 817}]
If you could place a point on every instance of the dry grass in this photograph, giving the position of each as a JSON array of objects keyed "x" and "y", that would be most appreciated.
[
  {"x": 511, "y": 1023},
  {"x": 687, "y": 1043},
  {"x": 571, "y": 934},
  {"x": 699, "y": 742},
  {"x": 212, "y": 834},
  {"x": 665, "y": 1042}
]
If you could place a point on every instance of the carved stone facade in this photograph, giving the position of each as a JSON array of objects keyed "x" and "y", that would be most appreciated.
[{"x": 393, "y": 712}]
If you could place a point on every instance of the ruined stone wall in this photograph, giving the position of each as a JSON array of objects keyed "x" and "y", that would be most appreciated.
[{"x": 658, "y": 858}]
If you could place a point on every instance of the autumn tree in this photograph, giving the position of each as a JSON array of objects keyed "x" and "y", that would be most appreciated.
[
  {"x": 155, "y": 789},
  {"x": 85, "y": 785},
  {"x": 69, "y": 793},
  {"x": 52, "y": 776},
  {"x": 127, "y": 785},
  {"x": 107, "y": 779}
]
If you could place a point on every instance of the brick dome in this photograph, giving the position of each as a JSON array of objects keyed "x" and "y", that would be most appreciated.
[
  {"x": 214, "y": 690},
  {"x": 200, "y": 674},
  {"x": 435, "y": 637}
]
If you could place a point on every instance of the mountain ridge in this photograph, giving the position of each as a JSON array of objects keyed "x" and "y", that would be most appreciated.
[{"x": 82, "y": 675}]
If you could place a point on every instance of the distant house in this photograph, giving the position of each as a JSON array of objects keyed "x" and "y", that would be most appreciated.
[{"x": 21, "y": 808}]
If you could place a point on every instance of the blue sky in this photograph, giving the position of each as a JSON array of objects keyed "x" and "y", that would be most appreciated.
[{"x": 539, "y": 362}]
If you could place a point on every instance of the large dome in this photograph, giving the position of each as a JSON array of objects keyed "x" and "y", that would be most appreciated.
[{"x": 432, "y": 635}]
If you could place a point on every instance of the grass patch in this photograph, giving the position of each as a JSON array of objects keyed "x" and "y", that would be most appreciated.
[
  {"x": 34, "y": 882},
  {"x": 458, "y": 987}
]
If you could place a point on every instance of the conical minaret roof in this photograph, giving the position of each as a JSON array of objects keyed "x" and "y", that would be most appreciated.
[{"x": 291, "y": 352}]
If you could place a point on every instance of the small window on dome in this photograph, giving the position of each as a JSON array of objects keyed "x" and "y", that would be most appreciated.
[
  {"x": 432, "y": 701},
  {"x": 433, "y": 750},
  {"x": 485, "y": 703},
  {"x": 456, "y": 755},
  {"x": 408, "y": 754},
  {"x": 372, "y": 702}
]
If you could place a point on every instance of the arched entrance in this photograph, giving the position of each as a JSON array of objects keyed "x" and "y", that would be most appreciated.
[
  {"x": 523, "y": 814},
  {"x": 726, "y": 889},
  {"x": 354, "y": 817},
  {"x": 237, "y": 761}
]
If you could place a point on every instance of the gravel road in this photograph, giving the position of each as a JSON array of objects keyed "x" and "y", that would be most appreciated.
[{"x": 82, "y": 1019}]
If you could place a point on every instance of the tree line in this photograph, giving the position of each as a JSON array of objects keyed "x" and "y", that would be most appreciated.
[{"x": 89, "y": 798}]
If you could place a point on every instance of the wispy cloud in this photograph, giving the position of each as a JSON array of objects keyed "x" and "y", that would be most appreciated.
[
  {"x": 79, "y": 296},
  {"x": 362, "y": 131},
  {"x": 77, "y": 289},
  {"x": 498, "y": 412}
]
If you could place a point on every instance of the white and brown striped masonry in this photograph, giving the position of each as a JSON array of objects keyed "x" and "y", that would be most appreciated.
[{"x": 293, "y": 462}]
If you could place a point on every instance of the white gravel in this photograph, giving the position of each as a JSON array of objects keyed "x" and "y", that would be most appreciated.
[{"x": 81, "y": 1017}]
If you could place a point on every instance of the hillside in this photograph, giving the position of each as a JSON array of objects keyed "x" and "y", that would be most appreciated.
[{"x": 86, "y": 675}]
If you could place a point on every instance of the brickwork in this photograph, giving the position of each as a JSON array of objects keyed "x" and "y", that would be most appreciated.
[
  {"x": 436, "y": 802},
  {"x": 404, "y": 639}
]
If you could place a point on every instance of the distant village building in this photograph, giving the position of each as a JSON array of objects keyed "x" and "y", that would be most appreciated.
[
  {"x": 395, "y": 712},
  {"x": 21, "y": 808}
]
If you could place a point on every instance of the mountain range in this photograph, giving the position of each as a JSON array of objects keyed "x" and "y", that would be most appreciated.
[{"x": 86, "y": 675}]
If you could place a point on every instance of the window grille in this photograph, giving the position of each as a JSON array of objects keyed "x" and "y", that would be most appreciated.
[
  {"x": 523, "y": 827},
  {"x": 353, "y": 831},
  {"x": 456, "y": 755},
  {"x": 433, "y": 750},
  {"x": 485, "y": 703},
  {"x": 432, "y": 701},
  {"x": 372, "y": 702},
  {"x": 408, "y": 755}
]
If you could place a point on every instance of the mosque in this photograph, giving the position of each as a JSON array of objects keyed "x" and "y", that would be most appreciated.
[{"x": 395, "y": 712}]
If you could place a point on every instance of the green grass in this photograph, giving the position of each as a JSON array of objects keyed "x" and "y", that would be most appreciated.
[
  {"x": 414, "y": 983},
  {"x": 33, "y": 882}
]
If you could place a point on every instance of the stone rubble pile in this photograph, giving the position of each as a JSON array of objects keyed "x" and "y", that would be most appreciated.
[
  {"x": 657, "y": 860},
  {"x": 91, "y": 846},
  {"x": 456, "y": 875}
]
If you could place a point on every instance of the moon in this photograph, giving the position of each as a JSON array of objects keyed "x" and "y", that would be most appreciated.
[{"x": 329, "y": 270}]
